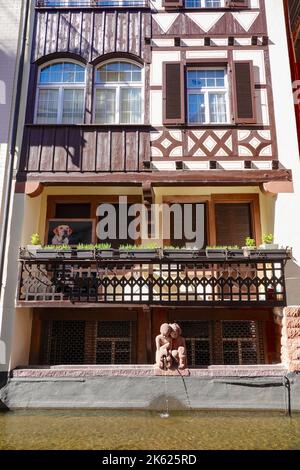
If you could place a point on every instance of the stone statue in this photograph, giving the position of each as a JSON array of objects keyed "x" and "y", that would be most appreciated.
[
  {"x": 170, "y": 347},
  {"x": 178, "y": 347},
  {"x": 164, "y": 347}
]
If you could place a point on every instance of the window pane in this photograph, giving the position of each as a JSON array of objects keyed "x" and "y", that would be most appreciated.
[
  {"x": 47, "y": 108},
  {"x": 196, "y": 108},
  {"x": 73, "y": 107},
  {"x": 119, "y": 72},
  {"x": 63, "y": 72},
  {"x": 203, "y": 3},
  {"x": 105, "y": 110},
  {"x": 206, "y": 78},
  {"x": 130, "y": 106},
  {"x": 217, "y": 108}
]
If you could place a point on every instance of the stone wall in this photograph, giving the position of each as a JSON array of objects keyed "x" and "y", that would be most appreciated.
[{"x": 290, "y": 340}]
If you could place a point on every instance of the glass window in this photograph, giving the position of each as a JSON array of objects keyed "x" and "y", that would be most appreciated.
[
  {"x": 60, "y": 98},
  {"x": 118, "y": 95},
  {"x": 207, "y": 96},
  {"x": 204, "y": 3}
]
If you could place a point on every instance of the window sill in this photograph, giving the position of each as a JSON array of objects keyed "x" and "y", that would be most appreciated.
[{"x": 108, "y": 126}]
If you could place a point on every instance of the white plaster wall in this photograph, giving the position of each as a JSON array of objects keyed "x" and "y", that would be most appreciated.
[{"x": 287, "y": 206}]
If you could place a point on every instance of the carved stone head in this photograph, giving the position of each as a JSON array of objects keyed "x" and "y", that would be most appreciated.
[
  {"x": 165, "y": 329},
  {"x": 176, "y": 330}
]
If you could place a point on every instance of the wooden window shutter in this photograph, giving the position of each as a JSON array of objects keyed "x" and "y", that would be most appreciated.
[
  {"x": 237, "y": 3},
  {"x": 172, "y": 3},
  {"x": 173, "y": 93},
  {"x": 244, "y": 92},
  {"x": 233, "y": 223}
]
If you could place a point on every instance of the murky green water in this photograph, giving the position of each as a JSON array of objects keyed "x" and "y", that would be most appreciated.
[{"x": 115, "y": 430}]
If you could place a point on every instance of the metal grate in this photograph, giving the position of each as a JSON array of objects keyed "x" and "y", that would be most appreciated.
[
  {"x": 198, "y": 342},
  {"x": 240, "y": 342},
  {"x": 64, "y": 343},
  {"x": 114, "y": 342}
]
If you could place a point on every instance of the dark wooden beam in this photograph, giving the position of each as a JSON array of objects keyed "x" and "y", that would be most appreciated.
[{"x": 161, "y": 178}]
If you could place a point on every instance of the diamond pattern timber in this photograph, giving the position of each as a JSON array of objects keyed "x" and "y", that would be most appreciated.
[
  {"x": 255, "y": 143},
  {"x": 210, "y": 143}
]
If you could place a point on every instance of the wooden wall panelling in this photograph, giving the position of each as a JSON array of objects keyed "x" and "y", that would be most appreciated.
[{"x": 91, "y": 34}]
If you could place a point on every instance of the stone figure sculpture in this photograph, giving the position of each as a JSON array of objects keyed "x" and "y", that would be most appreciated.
[
  {"x": 164, "y": 347},
  {"x": 178, "y": 347},
  {"x": 170, "y": 347}
]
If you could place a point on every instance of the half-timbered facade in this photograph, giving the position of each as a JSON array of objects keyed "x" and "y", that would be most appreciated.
[{"x": 163, "y": 102}]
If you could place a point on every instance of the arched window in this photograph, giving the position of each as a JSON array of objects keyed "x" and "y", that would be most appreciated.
[
  {"x": 118, "y": 95},
  {"x": 60, "y": 96}
]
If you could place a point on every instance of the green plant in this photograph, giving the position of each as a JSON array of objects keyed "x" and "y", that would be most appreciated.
[
  {"x": 150, "y": 246},
  {"x": 234, "y": 247},
  {"x": 103, "y": 246},
  {"x": 268, "y": 239},
  {"x": 83, "y": 246},
  {"x": 57, "y": 247},
  {"x": 35, "y": 239},
  {"x": 250, "y": 242}
]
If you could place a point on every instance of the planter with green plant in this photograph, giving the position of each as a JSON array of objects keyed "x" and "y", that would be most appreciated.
[
  {"x": 268, "y": 243},
  {"x": 85, "y": 251},
  {"x": 176, "y": 252},
  {"x": 104, "y": 250},
  {"x": 149, "y": 251},
  {"x": 55, "y": 251},
  {"x": 35, "y": 245},
  {"x": 217, "y": 252}
]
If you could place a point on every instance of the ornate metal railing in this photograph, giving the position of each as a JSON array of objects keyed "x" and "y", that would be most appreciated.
[
  {"x": 90, "y": 3},
  {"x": 191, "y": 280}
]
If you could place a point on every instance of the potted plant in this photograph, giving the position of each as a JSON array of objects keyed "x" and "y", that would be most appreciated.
[
  {"x": 250, "y": 246},
  {"x": 55, "y": 251},
  {"x": 35, "y": 243},
  {"x": 104, "y": 250},
  {"x": 268, "y": 242},
  {"x": 149, "y": 251},
  {"x": 85, "y": 251},
  {"x": 177, "y": 252},
  {"x": 218, "y": 252}
]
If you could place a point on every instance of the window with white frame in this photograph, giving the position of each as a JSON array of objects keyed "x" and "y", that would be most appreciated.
[
  {"x": 118, "y": 93},
  {"x": 207, "y": 96},
  {"x": 60, "y": 95},
  {"x": 204, "y": 3}
]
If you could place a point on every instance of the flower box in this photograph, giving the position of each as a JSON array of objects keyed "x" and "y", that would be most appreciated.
[
  {"x": 138, "y": 254},
  {"x": 216, "y": 253},
  {"x": 180, "y": 253}
]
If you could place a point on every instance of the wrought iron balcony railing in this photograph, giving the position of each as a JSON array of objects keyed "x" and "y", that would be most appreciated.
[
  {"x": 152, "y": 278},
  {"x": 91, "y": 3}
]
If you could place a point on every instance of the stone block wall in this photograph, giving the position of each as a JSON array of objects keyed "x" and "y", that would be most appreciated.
[{"x": 290, "y": 339}]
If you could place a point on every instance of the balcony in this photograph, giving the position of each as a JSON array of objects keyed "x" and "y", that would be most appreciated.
[
  {"x": 152, "y": 278},
  {"x": 92, "y": 3}
]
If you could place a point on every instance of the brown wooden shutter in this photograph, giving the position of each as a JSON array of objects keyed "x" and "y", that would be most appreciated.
[
  {"x": 237, "y": 3},
  {"x": 233, "y": 223},
  {"x": 244, "y": 93},
  {"x": 172, "y": 3},
  {"x": 173, "y": 93}
]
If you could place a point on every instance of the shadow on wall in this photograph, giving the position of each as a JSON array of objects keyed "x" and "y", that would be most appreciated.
[
  {"x": 7, "y": 72},
  {"x": 292, "y": 279}
]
